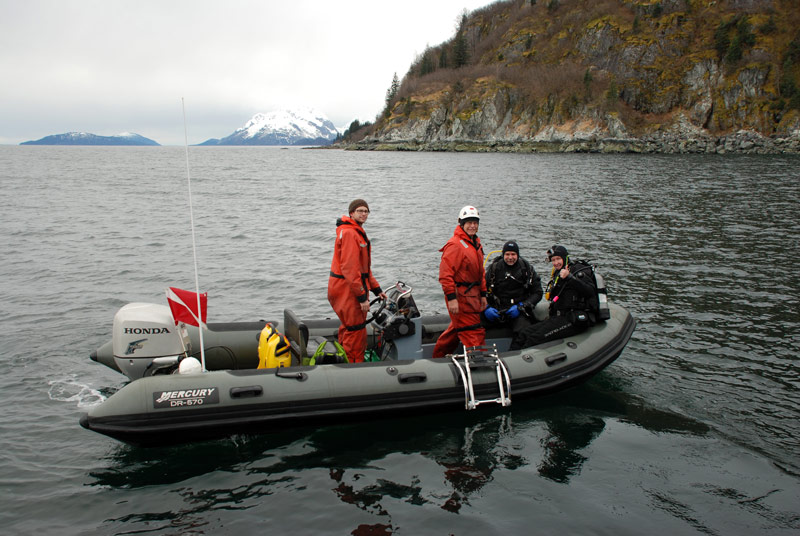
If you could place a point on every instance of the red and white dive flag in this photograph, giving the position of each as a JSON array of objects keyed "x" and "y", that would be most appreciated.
[{"x": 183, "y": 304}]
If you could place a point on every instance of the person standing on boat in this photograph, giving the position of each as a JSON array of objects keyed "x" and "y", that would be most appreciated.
[
  {"x": 464, "y": 285},
  {"x": 351, "y": 280},
  {"x": 514, "y": 289},
  {"x": 569, "y": 292}
]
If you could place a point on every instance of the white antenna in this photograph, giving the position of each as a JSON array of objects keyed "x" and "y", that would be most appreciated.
[{"x": 200, "y": 322}]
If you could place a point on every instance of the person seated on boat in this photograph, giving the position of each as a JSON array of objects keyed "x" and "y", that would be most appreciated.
[
  {"x": 569, "y": 292},
  {"x": 351, "y": 280},
  {"x": 514, "y": 288},
  {"x": 464, "y": 285}
]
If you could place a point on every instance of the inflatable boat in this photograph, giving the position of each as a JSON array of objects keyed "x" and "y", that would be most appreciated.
[{"x": 239, "y": 393}]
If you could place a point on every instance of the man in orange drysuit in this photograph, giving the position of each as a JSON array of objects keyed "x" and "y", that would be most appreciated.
[
  {"x": 351, "y": 279},
  {"x": 464, "y": 284}
]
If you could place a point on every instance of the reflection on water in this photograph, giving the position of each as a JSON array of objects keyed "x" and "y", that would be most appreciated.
[
  {"x": 562, "y": 447},
  {"x": 549, "y": 437},
  {"x": 384, "y": 468}
]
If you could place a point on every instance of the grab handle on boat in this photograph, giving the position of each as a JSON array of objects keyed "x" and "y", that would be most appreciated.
[
  {"x": 412, "y": 377},
  {"x": 299, "y": 376},
  {"x": 553, "y": 359},
  {"x": 247, "y": 392}
]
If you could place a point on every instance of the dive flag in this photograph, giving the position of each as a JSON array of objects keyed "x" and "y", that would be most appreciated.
[{"x": 183, "y": 304}]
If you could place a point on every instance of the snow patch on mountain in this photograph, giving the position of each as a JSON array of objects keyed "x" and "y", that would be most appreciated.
[{"x": 283, "y": 127}]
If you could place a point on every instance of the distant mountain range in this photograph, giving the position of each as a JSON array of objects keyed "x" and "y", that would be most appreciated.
[
  {"x": 284, "y": 127},
  {"x": 84, "y": 138}
]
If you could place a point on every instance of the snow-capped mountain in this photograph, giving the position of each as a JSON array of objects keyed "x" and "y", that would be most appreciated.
[
  {"x": 284, "y": 127},
  {"x": 85, "y": 138}
]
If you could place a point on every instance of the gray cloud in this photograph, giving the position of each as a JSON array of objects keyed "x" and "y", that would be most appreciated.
[{"x": 118, "y": 65}]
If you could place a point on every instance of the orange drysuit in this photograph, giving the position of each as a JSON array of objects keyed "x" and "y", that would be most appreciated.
[
  {"x": 351, "y": 279},
  {"x": 462, "y": 277}
]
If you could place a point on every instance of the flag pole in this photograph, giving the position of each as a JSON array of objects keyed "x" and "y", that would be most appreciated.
[{"x": 200, "y": 323}]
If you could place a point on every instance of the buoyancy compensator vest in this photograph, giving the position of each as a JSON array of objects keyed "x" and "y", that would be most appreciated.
[
  {"x": 324, "y": 352},
  {"x": 273, "y": 349}
]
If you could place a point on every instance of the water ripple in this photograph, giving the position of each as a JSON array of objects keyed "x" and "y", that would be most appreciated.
[{"x": 698, "y": 416}]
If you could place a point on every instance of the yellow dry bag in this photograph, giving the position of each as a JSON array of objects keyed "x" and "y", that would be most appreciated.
[{"x": 273, "y": 349}]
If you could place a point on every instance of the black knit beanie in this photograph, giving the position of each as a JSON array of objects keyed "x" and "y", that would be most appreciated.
[{"x": 511, "y": 245}]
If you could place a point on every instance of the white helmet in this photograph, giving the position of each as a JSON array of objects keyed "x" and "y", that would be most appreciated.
[{"x": 468, "y": 212}]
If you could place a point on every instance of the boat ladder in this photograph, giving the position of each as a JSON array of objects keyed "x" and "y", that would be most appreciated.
[{"x": 481, "y": 357}]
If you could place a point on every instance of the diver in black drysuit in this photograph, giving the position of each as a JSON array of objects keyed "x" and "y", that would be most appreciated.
[
  {"x": 569, "y": 292},
  {"x": 513, "y": 290}
]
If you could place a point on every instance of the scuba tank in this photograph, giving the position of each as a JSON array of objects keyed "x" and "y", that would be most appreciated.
[{"x": 602, "y": 297}]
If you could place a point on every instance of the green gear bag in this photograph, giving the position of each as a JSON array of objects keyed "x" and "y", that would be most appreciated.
[{"x": 327, "y": 352}]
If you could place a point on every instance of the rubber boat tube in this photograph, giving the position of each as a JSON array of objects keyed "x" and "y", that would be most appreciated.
[{"x": 162, "y": 409}]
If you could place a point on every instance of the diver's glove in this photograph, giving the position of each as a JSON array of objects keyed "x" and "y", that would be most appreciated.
[{"x": 491, "y": 314}]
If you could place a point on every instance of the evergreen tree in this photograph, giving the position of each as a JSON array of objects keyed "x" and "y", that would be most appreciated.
[
  {"x": 427, "y": 65},
  {"x": 793, "y": 52},
  {"x": 744, "y": 32},
  {"x": 734, "y": 51},
  {"x": 391, "y": 93},
  {"x": 587, "y": 82},
  {"x": 658, "y": 9},
  {"x": 721, "y": 39},
  {"x": 460, "y": 47},
  {"x": 788, "y": 87},
  {"x": 443, "y": 61},
  {"x": 612, "y": 95},
  {"x": 744, "y": 38},
  {"x": 460, "y": 52},
  {"x": 769, "y": 27}
]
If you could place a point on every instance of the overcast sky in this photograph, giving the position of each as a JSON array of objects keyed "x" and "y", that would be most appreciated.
[{"x": 112, "y": 66}]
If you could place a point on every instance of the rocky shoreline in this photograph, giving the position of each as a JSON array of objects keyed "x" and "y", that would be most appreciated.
[{"x": 741, "y": 142}]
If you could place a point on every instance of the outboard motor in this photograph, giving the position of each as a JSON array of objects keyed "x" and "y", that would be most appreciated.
[
  {"x": 400, "y": 324},
  {"x": 145, "y": 339}
]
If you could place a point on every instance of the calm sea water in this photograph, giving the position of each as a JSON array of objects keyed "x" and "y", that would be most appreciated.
[{"x": 693, "y": 430}]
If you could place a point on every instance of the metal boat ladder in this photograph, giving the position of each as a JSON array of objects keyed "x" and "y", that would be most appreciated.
[{"x": 481, "y": 357}]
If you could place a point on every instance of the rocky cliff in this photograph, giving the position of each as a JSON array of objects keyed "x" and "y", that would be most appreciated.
[{"x": 673, "y": 76}]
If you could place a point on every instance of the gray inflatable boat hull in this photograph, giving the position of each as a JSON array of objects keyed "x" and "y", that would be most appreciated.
[{"x": 179, "y": 408}]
